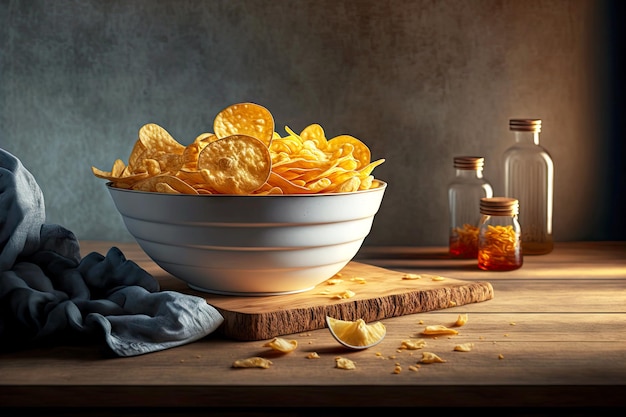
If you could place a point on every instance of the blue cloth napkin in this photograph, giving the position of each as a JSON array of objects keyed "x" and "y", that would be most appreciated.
[{"x": 48, "y": 294}]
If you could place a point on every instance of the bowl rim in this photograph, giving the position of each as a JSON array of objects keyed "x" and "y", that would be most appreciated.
[{"x": 382, "y": 185}]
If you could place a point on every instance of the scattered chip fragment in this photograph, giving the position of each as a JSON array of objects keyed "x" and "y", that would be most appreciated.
[{"x": 252, "y": 362}]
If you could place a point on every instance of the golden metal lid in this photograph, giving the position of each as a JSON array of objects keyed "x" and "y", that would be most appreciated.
[
  {"x": 499, "y": 206},
  {"x": 525, "y": 125},
  {"x": 469, "y": 162}
]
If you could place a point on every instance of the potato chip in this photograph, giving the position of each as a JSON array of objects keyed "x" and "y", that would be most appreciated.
[
  {"x": 345, "y": 363},
  {"x": 429, "y": 357},
  {"x": 120, "y": 181},
  {"x": 204, "y": 139},
  {"x": 356, "y": 334},
  {"x": 245, "y": 119},
  {"x": 367, "y": 183},
  {"x": 237, "y": 164},
  {"x": 349, "y": 185},
  {"x": 161, "y": 187},
  {"x": 438, "y": 329},
  {"x": 464, "y": 347},
  {"x": 413, "y": 344},
  {"x": 150, "y": 184},
  {"x": 315, "y": 133},
  {"x": 245, "y": 155},
  {"x": 288, "y": 187},
  {"x": 193, "y": 177},
  {"x": 153, "y": 137},
  {"x": 118, "y": 168},
  {"x": 252, "y": 362},
  {"x": 361, "y": 151},
  {"x": 282, "y": 345},
  {"x": 189, "y": 158}
]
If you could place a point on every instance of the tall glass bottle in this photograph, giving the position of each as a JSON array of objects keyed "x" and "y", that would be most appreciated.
[
  {"x": 464, "y": 194},
  {"x": 529, "y": 178}
]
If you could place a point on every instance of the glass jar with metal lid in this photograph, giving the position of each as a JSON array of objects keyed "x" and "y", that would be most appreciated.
[
  {"x": 529, "y": 178},
  {"x": 464, "y": 194},
  {"x": 499, "y": 235}
]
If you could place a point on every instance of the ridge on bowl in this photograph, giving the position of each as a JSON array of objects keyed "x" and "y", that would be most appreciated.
[{"x": 247, "y": 244}]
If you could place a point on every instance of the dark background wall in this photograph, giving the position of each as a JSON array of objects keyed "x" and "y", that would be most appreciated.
[{"x": 419, "y": 81}]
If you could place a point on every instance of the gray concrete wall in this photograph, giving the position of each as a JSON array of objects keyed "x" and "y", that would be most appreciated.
[{"x": 419, "y": 81}]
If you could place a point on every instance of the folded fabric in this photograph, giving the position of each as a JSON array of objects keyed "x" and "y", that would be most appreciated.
[{"x": 49, "y": 294}]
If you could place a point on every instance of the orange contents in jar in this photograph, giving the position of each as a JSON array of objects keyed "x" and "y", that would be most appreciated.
[
  {"x": 500, "y": 249},
  {"x": 464, "y": 242}
]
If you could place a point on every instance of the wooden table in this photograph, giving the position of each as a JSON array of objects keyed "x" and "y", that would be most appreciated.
[{"x": 552, "y": 338}]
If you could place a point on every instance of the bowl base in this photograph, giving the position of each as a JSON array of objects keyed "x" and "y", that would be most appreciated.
[{"x": 246, "y": 294}]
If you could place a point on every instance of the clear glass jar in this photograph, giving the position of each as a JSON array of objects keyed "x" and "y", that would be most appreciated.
[
  {"x": 464, "y": 194},
  {"x": 529, "y": 178},
  {"x": 499, "y": 235}
]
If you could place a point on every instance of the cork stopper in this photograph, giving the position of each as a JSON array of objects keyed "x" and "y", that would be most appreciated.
[
  {"x": 525, "y": 125},
  {"x": 469, "y": 162},
  {"x": 499, "y": 206}
]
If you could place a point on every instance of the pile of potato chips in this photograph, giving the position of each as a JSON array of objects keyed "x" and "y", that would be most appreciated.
[{"x": 245, "y": 155}]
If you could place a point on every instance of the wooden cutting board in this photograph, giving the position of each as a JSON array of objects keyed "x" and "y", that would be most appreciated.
[{"x": 379, "y": 293}]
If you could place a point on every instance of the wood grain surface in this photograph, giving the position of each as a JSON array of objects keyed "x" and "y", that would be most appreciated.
[
  {"x": 551, "y": 342},
  {"x": 379, "y": 293}
]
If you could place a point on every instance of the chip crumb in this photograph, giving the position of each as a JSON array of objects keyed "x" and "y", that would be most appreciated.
[
  {"x": 461, "y": 320},
  {"x": 344, "y": 363},
  {"x": 359, "y": 280},
  {"x": 397, "y": 369},
  {"x": 413, "y": 344},
  {"x": 464, "y": 347},
  {"x": 452, "y": 303},
  {"x": 282, "y": 345},
  {"x": 421, "y": 322},
  {"x": 501, "y": 356},
  {"x": 334, "y": 281},
  {"x": 438, "y": 329},
  {"x": 313, "y": 355},
  {"x": 411, "y": 276},
  {"x": 252, "y": 362},
  {"x": 413, "y": 368},
  {"x": 429, "y": 357},
  {"x": 512, "y": 323},
  {"x": 324, "y": 292},
  {"x": 344, "y": 295},
  {"x": 437, "y": 278}
]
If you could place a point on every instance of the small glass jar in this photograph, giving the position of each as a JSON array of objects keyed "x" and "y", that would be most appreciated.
[
  {"x": 464, "y": 194},
  {"x": 499, "y": 235}
]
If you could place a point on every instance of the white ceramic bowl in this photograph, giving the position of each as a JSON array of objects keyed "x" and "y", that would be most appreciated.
[{"x": 250, "y": 245}]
